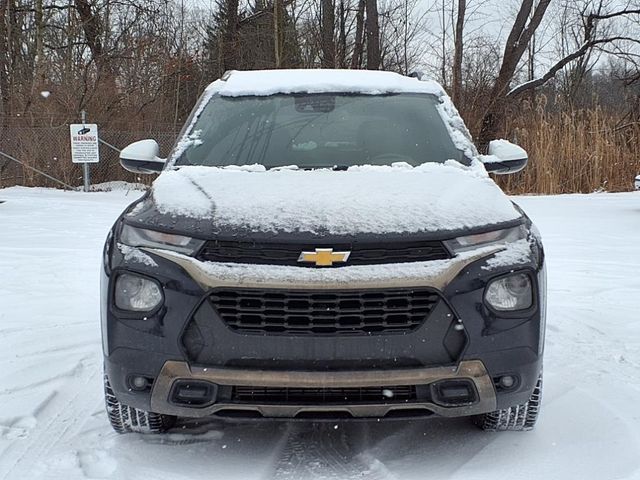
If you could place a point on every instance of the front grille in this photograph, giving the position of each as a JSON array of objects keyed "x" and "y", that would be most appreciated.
[
  {"x": 288, "y": 253},
  {"x": 319, "y": 396},
  {"x": 313, "y": 312}
]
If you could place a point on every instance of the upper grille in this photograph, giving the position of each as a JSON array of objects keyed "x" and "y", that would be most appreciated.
[
  {"x": 288, "y": 253},
  {"x": 319, "y": 396},
  {"x": 313, "y": 312}
]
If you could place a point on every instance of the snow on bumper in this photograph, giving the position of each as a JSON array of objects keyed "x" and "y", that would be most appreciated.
[{"x": 437, "y": 274}]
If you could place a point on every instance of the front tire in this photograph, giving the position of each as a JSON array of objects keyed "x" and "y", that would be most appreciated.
[
  {"x": 125, "y": 419},
  {"x": 518, "y": 418}
]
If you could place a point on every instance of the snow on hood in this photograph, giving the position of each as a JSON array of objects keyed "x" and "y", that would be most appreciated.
[{"x": 364, "y": 199}]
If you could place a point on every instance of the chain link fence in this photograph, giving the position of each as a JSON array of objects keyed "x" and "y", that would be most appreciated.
[{"x": 47, "y": 149}]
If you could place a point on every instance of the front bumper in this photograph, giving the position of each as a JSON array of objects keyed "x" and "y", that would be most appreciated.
[
  {"x": 493, "y": 346},
  {"x": 173, "y": 372}
]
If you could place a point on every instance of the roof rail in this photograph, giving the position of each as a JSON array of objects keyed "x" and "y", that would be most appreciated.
[
  {"x": 227, "y": 74},
  {"x": 419, "y": 74}
]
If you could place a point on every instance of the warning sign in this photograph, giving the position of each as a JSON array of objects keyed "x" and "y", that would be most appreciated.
[{"x": 84, "y": 143}]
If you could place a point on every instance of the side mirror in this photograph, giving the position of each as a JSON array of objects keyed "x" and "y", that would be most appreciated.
[
  {"x": 142, "y": 157},
  {"x": 505, "y": 157}
]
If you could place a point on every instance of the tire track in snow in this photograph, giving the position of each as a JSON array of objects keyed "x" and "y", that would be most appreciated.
[
  {"x": 66, "y": 410},
  {"x": 324, "y": 451},
  {"x": 70, "y": 373}
]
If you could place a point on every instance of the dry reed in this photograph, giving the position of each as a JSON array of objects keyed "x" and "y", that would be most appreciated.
[{"x": 573, "y": 151}]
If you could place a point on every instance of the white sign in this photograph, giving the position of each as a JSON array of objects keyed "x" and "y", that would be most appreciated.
[{"x": 84, "y": 143}]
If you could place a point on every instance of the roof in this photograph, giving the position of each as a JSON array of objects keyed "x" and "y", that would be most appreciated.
[{"x": 269, "y": 82}]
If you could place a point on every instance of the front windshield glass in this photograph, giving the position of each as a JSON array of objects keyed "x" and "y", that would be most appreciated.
[{"x": 320, "y": 130}]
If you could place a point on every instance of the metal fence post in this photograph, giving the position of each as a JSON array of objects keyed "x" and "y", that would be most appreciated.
[{"x": 86, "y": 174}]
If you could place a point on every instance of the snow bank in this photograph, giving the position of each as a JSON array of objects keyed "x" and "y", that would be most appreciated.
[
  {"x": 371, "y": 199},
  {"x": 116, "y": 185}
]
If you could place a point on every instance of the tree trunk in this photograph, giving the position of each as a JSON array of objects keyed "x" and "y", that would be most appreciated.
[
  {"x": 276, "y": 32},
  {"x": 443, "y": 46},
  {"x": 92, "y": 33},
  {"x": 373, "y": 35},
  {"x": 517, "y": 42},
  {"x": 38, "y": 75},
  {"x": 328, "y": 46},
  {"x": 39, "y": 21},
  {"x": 5, "y": 94},
  {"x": 341, "y": 49},
  {"x": 230, "y": 43},
  {"x": 458, "y": 53},
  {"x": 358, "y": 46}
]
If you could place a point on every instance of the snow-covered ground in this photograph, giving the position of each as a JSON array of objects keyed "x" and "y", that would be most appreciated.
[{"x": 53, "y": 425}]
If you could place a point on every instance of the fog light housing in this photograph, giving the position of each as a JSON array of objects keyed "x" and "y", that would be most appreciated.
[
  {"x": 506, "y": 383},
  {"x": 454, "y": 393},
  {"x": 510, "y": 293},
  {"x": 135, "y": 293},
  {"x": 139, "y": 383},
  {"x": 193, "y": 393}
]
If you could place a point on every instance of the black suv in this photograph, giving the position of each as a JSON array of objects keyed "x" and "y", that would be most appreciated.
[{"x": 322, "y": 244}]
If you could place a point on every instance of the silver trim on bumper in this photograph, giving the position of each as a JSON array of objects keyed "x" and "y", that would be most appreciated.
[
  {"x": 436, "y": 274},
  {"x": 473, "y": 370}
]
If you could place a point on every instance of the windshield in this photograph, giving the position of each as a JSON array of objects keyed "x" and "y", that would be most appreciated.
[{"x": 319, "y": 130}]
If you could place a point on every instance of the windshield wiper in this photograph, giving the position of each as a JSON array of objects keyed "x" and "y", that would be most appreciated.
[{"x": 335, "y": 168}]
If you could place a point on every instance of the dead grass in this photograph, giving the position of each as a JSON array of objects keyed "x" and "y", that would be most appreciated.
[{"x": 574, "y": 151}]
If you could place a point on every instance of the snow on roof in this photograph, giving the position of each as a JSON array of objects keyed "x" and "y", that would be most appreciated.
[
  {"x": 371, "y": 199},
  {"x": 270, "y": 82}
]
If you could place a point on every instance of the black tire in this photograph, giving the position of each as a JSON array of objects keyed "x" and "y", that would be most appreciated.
[
  {"x": 517, "y": 418},
  {"x": 125, "y": 419}
]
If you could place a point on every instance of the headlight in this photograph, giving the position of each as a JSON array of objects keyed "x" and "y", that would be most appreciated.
[
  {"x": 510, "y": 293},
  {"x": 137, "y": 294},
  {"x": 494, "y": 237},
  {"x": 142, "y": 237}
]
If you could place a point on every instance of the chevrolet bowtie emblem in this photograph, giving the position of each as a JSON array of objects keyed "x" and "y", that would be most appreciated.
[{"x": 324, "y": 257}]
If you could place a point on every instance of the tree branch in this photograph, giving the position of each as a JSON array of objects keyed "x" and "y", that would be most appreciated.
[
  {"x": 561, "y": 64},
  {"x": 605, "y": 16}
]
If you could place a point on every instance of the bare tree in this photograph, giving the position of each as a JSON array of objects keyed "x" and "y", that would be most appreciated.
[
  {"x": 341, "y": 47},
  {"x": 358, "y": 48},
  {"x": 93, "y": 32},
  {"x": 327, "y": 26},
  {"x": 373, "y": 35},
  {"x": 458, "y": 52},
  {"x": 230, "y": 37},
  {"x": 591, "y": 39},
  {"x": 277, "y": 7},
  {"x": 5, "y": 107},
  {"x": 527, "y": 21}
]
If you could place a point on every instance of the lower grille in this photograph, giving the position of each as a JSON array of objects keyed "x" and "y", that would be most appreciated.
[
  {"x": 319, "y": 396},
  {"x": 313, "y": 312}
]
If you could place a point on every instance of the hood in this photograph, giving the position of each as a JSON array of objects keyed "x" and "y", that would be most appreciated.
[{"x": 377, "y": 200}]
